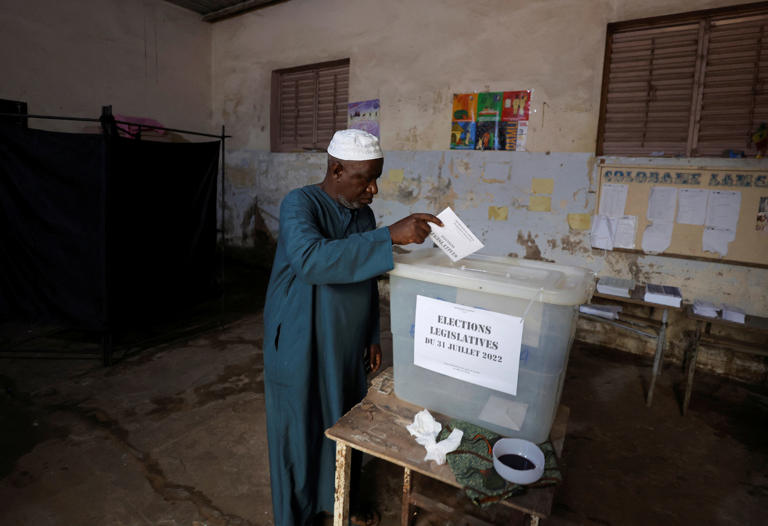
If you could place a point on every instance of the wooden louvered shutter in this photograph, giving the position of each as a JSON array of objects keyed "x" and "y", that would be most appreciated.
[
  {"x": 647, "y": 99},
  {"x": 734, "y": 96},
  {"x": 309, "y": 104},
  {"x": 693, "y": 84},
  {"x": 332, "y": 103}
]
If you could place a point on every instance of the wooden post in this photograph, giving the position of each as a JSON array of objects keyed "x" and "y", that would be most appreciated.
[
  {"x": 405, "y": 514},
  {"x": 341, "y": 499}
]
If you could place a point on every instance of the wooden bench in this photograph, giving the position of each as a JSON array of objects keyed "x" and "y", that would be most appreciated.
[{"x": 704, "y": 336}]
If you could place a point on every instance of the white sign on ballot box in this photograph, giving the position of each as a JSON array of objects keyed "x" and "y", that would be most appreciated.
[{"x": 468, "y": 343}]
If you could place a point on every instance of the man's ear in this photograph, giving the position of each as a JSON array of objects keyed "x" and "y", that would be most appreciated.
[{"x": 337, "y": 169}]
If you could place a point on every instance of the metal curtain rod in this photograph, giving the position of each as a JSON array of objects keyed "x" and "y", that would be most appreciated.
[{"x": 87, "y": 119}]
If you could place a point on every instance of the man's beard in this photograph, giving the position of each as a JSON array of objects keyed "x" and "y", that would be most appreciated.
[{"x": 346, "y": 204}]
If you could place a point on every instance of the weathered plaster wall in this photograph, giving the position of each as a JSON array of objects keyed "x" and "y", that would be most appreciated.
[
  {"x": 413, "y": 56},
  {"x": 147, "y": 58}
]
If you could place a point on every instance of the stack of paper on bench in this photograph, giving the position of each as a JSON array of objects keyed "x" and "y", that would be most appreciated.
[
  {"x": 615, "y": 286},
  {"x": 704, "y": 308},
  {"x": 734, "y": 314},
  {"x": 663, "y": 295},
  {"x": 610, "y": 312}
]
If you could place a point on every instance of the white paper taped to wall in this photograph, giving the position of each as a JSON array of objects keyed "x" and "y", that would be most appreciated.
[
  {"x": 692, "y": 206},
  {"x": 602, "y": 232},
  {"x": 661, "y": 204},
  {"x": 723, "y": 209},
  {"x": 613, "y": 199},
  {"x": 624, "y": 232},
  {"x": 657, "y": 237},
  {"x": 717, "y": 239}
]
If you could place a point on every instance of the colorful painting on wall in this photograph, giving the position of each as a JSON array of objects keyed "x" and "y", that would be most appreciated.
[
  {"x": 499, "y": 120},
  {"x": 517, "y": 105},
  {"x": 364, "y": 116},
  {"x": 464, "y": 107},
  {"x": 486, "y": 135},
  {"x": 463, "y": 135},
  {"x": 488, "y": 106}
]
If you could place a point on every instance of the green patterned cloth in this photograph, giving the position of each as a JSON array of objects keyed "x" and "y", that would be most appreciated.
[{"x": 472, "y": 465}]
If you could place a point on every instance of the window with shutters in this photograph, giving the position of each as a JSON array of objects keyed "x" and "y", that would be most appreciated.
[
  {"x": 692, "y": 85},
  {"x": 309, "y": 104}
]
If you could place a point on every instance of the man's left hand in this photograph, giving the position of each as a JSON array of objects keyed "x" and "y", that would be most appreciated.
[{"x": 374, "y": 357}]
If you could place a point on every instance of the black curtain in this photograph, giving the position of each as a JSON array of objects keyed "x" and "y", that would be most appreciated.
[{"x": 102, "y": 231}]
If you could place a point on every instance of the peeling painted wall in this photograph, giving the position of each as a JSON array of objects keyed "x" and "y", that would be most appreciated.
[
  {"x": 147, "y": 58},
  {"x": 413, "y": 56}
]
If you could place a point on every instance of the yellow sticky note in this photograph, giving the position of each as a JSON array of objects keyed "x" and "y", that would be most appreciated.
[
  {"x": 542, "y": 186},
  {"x": 498, "y": 213},
  {"x": 540, "y": 203},
  {"x": 580, "y": 221},
  {"x": 396, "y": 176}
]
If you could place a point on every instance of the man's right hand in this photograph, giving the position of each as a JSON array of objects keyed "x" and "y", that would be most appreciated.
[{"x": 412, "y": 229}]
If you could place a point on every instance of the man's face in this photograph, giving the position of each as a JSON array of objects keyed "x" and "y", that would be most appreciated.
[{"x": 356, "y": 182}]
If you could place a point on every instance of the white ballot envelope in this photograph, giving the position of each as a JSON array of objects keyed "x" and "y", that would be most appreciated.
[{"x": 454, "y": 237}]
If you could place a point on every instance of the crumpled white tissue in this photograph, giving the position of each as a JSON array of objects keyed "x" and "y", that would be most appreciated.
[{"x": 425, "y": 429}]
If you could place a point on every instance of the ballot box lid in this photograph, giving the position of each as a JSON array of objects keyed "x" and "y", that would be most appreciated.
[{"x": 520, "y": 278}]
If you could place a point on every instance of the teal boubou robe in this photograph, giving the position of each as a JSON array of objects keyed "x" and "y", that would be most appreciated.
[{"x": 321, "y": 312}]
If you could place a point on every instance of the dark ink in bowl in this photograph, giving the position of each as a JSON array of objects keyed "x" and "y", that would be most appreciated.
[{"x": 517, "y": 462}]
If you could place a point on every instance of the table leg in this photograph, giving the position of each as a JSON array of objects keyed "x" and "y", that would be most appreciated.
[
  {"x": 405, "y": 514},
  {"x": 692, "y": 368},
  {"x": 661, "y": 342},
  {"x": 341, "y": 498},
  {"x": 658, "y": 356}
]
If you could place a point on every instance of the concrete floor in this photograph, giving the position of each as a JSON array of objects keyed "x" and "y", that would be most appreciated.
[{"x": 175, "y": 436}]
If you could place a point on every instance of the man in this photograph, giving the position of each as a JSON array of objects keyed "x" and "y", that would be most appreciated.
[{"x": 320, "y": 316}]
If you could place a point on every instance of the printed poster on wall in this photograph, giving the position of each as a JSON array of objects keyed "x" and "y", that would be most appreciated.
[
  {"x": 467, "y": 343},
  {"x": 495, "y": 120},
  {"x": 364, "y": 116},
  {"x": 761, "y": 223},
  {"x": 463, "y": 124},
  {"x": 515, "y": 112},
  {"x": 488, "y": 115}
]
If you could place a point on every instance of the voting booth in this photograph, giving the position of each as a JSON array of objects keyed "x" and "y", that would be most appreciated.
[{"x": 485, "y": 339}]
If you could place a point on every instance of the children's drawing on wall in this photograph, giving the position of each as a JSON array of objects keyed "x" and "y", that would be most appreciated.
[
  {"x": 364, "y": 115},
  {"x": 463, "y": 136},
  {"x": 762, "y": 215}
]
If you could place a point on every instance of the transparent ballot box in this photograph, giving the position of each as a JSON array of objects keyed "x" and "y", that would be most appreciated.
[{"x": 491, "y": 336}]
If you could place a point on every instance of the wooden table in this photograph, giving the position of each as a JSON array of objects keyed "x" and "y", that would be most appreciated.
[
  {"x": 643, "y": 326},
  {"x": 377, "y": 426},
  {"x": 704, "y": 336}
]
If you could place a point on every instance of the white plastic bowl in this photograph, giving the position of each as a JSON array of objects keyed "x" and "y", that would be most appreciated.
[{"x": 524, "y": 448}]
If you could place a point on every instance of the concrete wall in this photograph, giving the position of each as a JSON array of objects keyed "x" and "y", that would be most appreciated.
[
  {"x": 147, "y": 58},
  {"x": 413, "y": 56}
]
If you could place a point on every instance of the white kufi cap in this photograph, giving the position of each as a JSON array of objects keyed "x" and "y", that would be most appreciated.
[{"x": 354, "y": 145}]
